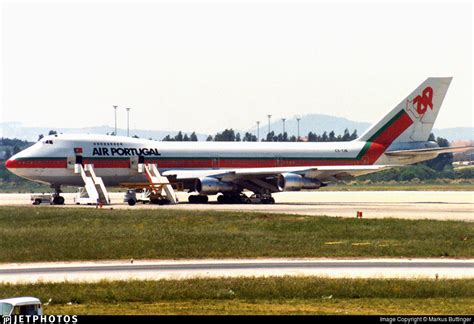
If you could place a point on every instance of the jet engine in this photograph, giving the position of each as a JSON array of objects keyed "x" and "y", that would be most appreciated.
[
  {"x": 296, "y": 182},
  {"x": 212, "y": 186}
]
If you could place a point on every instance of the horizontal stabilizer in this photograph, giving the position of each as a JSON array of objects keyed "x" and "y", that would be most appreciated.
[{"x": 438, "y": 150}]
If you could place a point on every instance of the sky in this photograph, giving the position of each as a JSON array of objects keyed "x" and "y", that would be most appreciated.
[{"x": 204, "y": 66}]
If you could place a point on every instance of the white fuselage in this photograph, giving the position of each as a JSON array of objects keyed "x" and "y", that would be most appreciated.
[{"x": 52, "y": 159}]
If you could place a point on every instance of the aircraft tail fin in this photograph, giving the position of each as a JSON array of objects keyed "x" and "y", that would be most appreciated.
[{"x": 412, "y": 119}]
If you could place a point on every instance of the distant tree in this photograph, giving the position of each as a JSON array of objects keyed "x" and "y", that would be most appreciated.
[
  {"x": 179, "y": 137},
  {"x": 52, "y": 132},
  {"x": 14, "y": 141},
  {"x": 324, "y": 137},
  {"x": 40, "y": 137},
  {"x": 354, "y": 135},
  {"x": 193, "y": 137},
  {"x": 8, "y": 154},
  {"x": 347, "y": 136},
  {"x": 135, "y": 136},
  {"x": 209, "y": 138},
  {"x": 271, "y": 137},
  {"x": 432, "y": 138},
  {"x": 16, "y": 149},
  {"x": 228, "y": 135},
  {"x": 443, "y": 161},
  {"x": 312, "y": 137},
  {"x": 442, "y": 142},
  {"x": 332, "y": 136},
  {"x": 186, "y": 138},
  {"x": 237, "y": 137},
  {"x": 167, "y": 138},
  {"x": 248, "y": 137},
  {"x": 293, "y": 138}
]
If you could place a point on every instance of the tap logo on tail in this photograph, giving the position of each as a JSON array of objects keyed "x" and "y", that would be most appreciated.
[{"x": 421, "y": 102}]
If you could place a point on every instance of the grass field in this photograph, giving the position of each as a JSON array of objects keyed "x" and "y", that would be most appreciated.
[
  {"x": 286, "y": 295},
  {"x": 58, "y": 234}
]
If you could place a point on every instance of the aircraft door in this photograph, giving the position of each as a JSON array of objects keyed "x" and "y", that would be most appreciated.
[{"x": 78, "y": 154}]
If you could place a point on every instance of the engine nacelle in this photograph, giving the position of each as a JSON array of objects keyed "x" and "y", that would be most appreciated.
[
  {"x": 296, "y": 182},
  {"x": 212, "y": 186}
]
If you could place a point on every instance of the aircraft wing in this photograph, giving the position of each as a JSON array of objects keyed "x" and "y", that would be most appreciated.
[
  {"x": 437, "y": 150},
  {"x": 322, "y": 173}
]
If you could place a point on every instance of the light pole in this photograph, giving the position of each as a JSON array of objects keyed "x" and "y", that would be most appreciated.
[
  {"x": 298, "y": 121},
  {"x": 269, "y": 117},
  {"x": 258, "y": 131},
  {"x": 283, "y": 120},
  {"x": 128, "y": 121},
  {"x": 115, "y": 110}
]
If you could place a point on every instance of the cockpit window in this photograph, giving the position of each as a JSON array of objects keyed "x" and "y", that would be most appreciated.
[{"x": 48, "y": 142}]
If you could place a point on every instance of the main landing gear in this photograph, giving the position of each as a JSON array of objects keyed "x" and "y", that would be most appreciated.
[
  {"x": 57, "y": 198},
  {"x": 243, "y": 199},
  {"x": 233, "y": 199},
  {"x": 198, "y": 199}
]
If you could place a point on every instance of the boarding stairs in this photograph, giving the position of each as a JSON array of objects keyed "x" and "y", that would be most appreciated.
[
  {"x": 159, "y": 185},
  {"x": 93, "y": 184}
]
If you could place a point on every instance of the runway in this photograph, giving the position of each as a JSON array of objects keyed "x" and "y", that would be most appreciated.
[
  {"x": 437, "y": 205},
  {"x": 168, "y": 269}
]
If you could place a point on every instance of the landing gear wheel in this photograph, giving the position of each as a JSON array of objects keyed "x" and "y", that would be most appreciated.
[
  {"x": 131, "y": 202},
  {"x": 268, "y": 200},
  {"x": 262, "y": 199},
  {"x": 162, "y": 202},
  {"x": 58, "y": 200},
  {"x": 222, "y": 199},
  {"x": 198, "y": 199},
  {"x": 244, "y": 199},
  {"x": 233, "y": 199}
]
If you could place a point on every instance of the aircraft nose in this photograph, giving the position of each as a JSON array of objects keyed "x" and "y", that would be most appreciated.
[{"x": 9, "y": 163}]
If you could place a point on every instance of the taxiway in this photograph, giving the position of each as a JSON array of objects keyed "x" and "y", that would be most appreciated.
[
  {"x": 437, "y": 205},
  {"x": 182, "y": 269}
]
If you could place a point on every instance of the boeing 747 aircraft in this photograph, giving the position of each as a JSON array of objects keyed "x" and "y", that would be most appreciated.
[{"x": 210, "y": 168}]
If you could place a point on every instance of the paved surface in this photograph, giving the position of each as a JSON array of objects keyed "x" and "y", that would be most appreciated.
[
  {"x": 166, "y": 269},
  {"x": 439, "y": 205}
]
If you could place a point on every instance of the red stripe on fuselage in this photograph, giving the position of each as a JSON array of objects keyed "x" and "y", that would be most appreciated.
[{"x": 36, "y": 163}]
